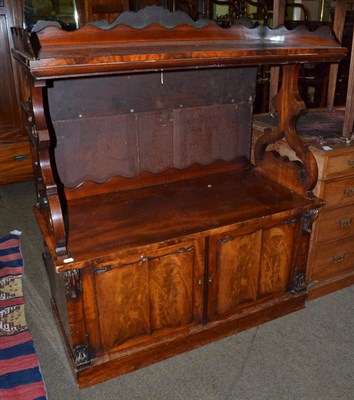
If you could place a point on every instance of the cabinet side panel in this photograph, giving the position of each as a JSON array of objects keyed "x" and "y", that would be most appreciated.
[
  {"x": 171, "y": 290},
  {"x": 126, "y": 288},
  {"x": 277, "y": 246},
  {"x": 238, "y": 270}
]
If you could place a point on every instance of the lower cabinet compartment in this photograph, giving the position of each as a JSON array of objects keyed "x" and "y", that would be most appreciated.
[
  {"x": 246, "y": 269},
  {"x": 138, "y": 307},
  {"x": 137, "y": 302}
]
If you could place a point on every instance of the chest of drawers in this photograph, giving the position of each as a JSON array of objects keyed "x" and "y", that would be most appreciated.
[{"x": 331, "y": 259}]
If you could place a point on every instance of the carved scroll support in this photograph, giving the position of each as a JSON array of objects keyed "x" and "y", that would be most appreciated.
[
  {"x": 298, "y": 279},
  {"x": 47, "y": 191},
  {"x": 300, "y": 176}
]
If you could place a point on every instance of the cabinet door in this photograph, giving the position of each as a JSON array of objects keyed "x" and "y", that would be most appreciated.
[
  {"x": 246, "y": 269},
  {"x": 159, "y": 294}
]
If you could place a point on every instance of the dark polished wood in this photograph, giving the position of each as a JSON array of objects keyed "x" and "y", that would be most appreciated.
[{"x": 160, "y": 235}]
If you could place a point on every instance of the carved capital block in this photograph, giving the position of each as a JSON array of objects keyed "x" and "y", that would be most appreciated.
[
  {"x": 307, "y": 221},
  {"x": 72, "y": 284}
]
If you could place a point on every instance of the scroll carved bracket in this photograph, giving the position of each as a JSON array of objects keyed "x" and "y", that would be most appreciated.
[
  {"x": 288, "y": 104},
  {"x": 48, "y": 198},
  {"x": 73, "y": 287}
]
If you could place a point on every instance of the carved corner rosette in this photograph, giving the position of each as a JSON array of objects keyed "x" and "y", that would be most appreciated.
[
  {"x": 73, "y": 287},
  {"x": 81, "y": 356}
]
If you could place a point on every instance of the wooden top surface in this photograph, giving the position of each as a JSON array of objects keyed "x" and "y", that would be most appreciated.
[
  {"x": 100, "y": 225},
  {"x": 52, "y": 52}
]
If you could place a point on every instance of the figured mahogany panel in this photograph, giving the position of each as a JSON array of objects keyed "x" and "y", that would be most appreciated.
[
  {"x": 171, "y": 290},
  {"x": 238, "y": 270},
  {"x": 136, "y": 301},
  {"x": 276, "y": 259},
  {"x": 123, "y": 303}
]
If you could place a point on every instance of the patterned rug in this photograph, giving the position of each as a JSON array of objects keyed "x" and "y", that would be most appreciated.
[{"x": 20, "y": 376}]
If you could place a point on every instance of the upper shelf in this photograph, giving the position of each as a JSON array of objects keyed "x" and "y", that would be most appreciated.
[{"x": 53, "y": 52}]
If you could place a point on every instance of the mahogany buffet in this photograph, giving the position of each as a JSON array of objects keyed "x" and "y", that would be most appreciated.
[{"x": 160, "y": 234}]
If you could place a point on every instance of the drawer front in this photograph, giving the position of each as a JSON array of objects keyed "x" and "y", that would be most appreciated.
[
  {"x": 333, "y": 258},
  {"x": 335, "y": 224},
  {"x": 15, "y": 162},
  {"x": 339, "y": 193},
  {"x": 340, "y": 166}
]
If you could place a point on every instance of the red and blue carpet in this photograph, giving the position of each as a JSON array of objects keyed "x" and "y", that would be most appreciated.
[{"x": 20, "y": 376}]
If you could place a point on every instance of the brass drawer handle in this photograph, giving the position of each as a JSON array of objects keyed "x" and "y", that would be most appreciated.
[
  {"x": 339, "y": 258},
  {"x": 348, "y": 192},
  {"x": 344, "y": 223},
  {"x": 351, "y": 163}
]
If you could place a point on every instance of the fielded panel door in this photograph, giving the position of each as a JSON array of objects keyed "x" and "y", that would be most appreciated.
[
  {"x": 136, "y": 302},
  {"x": 248, "y": 268}
]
